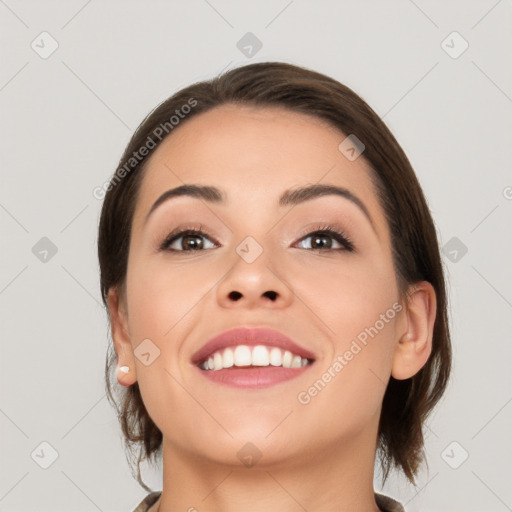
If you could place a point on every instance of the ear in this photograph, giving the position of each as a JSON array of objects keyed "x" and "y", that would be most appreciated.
[
  {"x": 415, "y": 343},
  {"x": 121, "y": 336}
]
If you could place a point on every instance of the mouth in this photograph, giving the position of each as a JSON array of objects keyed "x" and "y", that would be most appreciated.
[{"x": 252, "y": 358}]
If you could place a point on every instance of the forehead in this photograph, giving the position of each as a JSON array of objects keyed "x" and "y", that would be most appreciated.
[{"x": 254, "y": 153}]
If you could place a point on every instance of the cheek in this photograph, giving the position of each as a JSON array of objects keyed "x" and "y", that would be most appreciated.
[
  {"x": 160, "y": 295},
  {"x": 347, "y": 296},
  {"x": 163, "y": 302},
  {"x": 351, "y": 379},
  {"x": 357, "y": 306}
]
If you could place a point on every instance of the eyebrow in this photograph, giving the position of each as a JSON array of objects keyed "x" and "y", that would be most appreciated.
[{"x": 289, "y": 197}]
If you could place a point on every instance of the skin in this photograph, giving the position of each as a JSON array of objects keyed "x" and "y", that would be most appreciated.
[{"x": 320, "y": 455}]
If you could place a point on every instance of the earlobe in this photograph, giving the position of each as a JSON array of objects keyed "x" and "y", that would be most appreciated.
[
  {"x": 121, "y": 337},
  {"x": 414, "y": 346}
]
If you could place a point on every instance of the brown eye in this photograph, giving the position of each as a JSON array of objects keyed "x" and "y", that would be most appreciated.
[
  {"x": 324, "y": 239},
  {"x": 186, "y": 241},
  {"x": 321, "y": 241}
]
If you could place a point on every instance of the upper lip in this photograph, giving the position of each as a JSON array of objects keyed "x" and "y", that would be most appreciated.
[{"x": 250, "y": 336}]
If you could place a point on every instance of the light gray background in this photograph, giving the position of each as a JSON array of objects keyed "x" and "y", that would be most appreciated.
[{"x": 65, "y": 121}]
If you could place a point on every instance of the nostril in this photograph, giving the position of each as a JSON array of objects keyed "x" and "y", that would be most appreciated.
[{"x": 235, "y": 295}]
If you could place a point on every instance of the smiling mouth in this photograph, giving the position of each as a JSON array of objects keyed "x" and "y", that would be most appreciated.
[{"x": 245, "y": 356}]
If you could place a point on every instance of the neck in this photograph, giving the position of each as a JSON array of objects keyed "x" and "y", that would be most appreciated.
[{"x": 328, "y": 480}]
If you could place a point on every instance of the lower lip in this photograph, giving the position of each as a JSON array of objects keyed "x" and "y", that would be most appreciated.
[{"x": 253, "y": 377}]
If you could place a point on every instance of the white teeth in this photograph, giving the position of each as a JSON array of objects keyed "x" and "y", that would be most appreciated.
[
  {"x": 217, "y": 361},
  {"x": 259, "y": 355},
  {"x": 276, "y": 358},
  {"x": 287, "y": 359},
  {"x": 228, "y": 358},
  {"x": 242, "y": 356},
  {"x": 296, "y": 362}
]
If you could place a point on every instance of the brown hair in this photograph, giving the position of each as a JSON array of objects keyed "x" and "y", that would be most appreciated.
[{"x": 407, "y": 403}]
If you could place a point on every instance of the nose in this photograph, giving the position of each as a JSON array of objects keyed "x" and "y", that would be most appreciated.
[{"x": 253, "y": 285}]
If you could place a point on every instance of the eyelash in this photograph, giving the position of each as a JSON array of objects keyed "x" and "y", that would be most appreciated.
[{"x": 323, "y": 229}]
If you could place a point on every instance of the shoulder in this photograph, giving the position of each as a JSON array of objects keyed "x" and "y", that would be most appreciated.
[
  {"x": 149, "y": 500},
  {"x": 387, "y": 504}
]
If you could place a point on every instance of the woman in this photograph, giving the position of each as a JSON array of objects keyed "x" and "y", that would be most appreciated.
[{"x": 276, "y": 297}]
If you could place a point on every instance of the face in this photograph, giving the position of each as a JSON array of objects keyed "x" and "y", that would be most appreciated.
[{"x": 334, "y": 295}]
